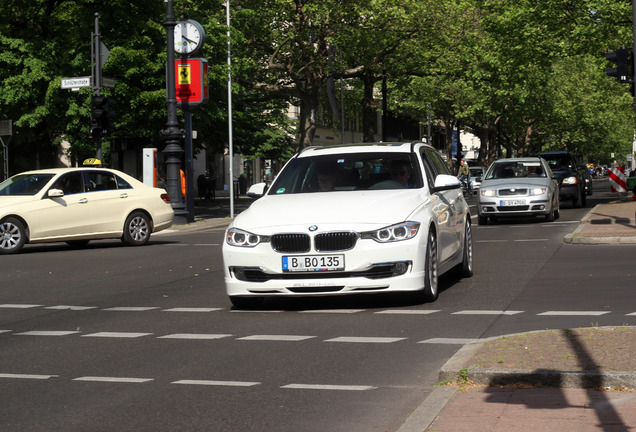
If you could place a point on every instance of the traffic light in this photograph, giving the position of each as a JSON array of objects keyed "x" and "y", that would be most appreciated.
[
  {"x": 101, "y": 113},
  {"x": 623, "y": 70}
]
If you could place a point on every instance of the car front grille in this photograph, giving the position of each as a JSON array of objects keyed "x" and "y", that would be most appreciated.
[
  {"x": 290, "y": 243},
  {"x": 512, "y": 192},
  {"x": 335, "y": 241},
  {"x": 512, "y": 208}
]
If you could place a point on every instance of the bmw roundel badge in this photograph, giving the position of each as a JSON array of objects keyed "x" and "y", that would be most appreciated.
[{"x": 313, "y": 228}]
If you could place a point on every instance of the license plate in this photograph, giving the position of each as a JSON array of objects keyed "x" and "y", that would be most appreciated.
[
  {"x": 309, "y": 263},
  {"x": 504, "y": 203}
]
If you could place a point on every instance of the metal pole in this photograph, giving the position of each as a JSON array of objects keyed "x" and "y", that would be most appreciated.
[
  {"x": 187, "y": 114},
  {"x": 172, "y": 134},
  {"x": 229, "y": 107},
  {"x": 97, "y": 78}
]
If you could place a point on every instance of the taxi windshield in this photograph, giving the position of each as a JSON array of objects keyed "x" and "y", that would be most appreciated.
[{"x": 25, "y": 184}]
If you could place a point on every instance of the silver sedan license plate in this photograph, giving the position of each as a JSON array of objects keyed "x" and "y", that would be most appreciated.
[
  {"x": 504, "y": 203},
  {"x": 309, "y": 263}
]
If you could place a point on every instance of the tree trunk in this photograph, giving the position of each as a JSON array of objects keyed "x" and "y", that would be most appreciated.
[{"x": 368, "y": 108}]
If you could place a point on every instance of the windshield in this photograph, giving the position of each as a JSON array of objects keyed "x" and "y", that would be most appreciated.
[
  {"x": 25, "y": 184},
  {"x": 558, "y": 162},
  {"x": 346, "y": 172},
  {"x": 508, "y": 169}
]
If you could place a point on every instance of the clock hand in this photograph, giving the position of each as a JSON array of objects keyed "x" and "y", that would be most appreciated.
[{"x": 189, "y": 40}]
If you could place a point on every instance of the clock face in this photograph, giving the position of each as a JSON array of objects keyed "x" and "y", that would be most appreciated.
[{"x": 188, "y": 37}]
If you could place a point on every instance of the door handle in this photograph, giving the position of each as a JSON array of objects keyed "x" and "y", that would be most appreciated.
[
  {"x": 124, "y": 195},
  {"x": 83, "y": 201}
]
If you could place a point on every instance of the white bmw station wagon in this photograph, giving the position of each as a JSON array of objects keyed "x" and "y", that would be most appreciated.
[{"x": 357, "y": 218}]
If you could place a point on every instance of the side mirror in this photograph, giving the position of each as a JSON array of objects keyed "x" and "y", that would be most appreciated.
[
  {"x": 446, "y": 182},
  {"x": 257, "y": 190},
  {"x": 55, "y": 193}
]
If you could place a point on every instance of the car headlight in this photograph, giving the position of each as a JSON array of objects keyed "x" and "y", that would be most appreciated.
[
  {"x": 537, "y": 191},
  {"x": 487, "y": 192},
  {"x": 238, "y": 237},
  {"x": 393, "y": 233},
  {"x": 569, "y": 180}
]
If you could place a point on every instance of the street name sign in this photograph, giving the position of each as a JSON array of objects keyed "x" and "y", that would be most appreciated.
[{"x": 76, "y": 82}]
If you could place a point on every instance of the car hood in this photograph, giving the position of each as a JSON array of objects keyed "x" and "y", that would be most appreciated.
[
  {"x": 373, "y": 208},
  {"x": 514, "y": 182},
  {"x": 10, "y": 200},
  {"x": 560, "y": 174}
]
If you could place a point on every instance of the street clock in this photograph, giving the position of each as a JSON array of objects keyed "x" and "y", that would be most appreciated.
[{"x": 189, "y": 36}]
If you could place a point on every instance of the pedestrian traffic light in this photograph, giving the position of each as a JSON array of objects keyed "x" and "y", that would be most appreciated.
[
  {"x": 101, "y": 113},
  {"x": 623, "y": 69}
]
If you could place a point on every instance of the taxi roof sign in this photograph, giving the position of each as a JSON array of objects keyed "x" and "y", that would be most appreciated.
[{"x": 92, "y": 162}]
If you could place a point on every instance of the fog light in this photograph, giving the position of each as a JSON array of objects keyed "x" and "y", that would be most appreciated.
[{"x": 401, "y": 267}]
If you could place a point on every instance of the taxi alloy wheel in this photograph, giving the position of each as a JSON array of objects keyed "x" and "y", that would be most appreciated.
[
  {"x": 12, "y": 236},
  {"x": 429, "y": 291},
  {"x": 136, "y": 229}
]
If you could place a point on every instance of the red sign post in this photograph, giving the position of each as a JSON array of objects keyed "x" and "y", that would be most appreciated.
[{"x": 191, "y": 82}]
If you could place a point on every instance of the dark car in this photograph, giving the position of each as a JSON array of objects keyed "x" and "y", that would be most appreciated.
[{"x": 570, "y": 175}]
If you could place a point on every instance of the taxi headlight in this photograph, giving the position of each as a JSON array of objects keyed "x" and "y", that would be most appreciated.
[
  {"x": 238, "y": 237},
  {"x": 393, "y": 233}
]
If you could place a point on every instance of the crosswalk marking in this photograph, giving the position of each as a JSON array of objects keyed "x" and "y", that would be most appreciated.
[
  {"x": 194, "y": 336},
  {"x": 292, "y": 338},
  {"x": 365, "y": 339},
  {"x": 47, "y": 333},
  {"x": 26, "y": 376},
  {"x": 407, "y": 312},
  {"x": 328, "y": 387},
  {"x": 217, "y": 383},
  {"x": 18, "y": 306},
  {"x": 113, "y": 379},
  {"x": 185, "y": 309},
  {"x": 116, "y": 334},
  {"x": 73, "y": 308},
  {"x": 573, "y": 313},
  {"x": 487, "y": 312},
  {"x": 130, "y": 309},
  {"x": 448, "y": 341}
]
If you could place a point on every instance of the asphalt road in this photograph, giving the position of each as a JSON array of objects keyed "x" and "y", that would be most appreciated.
[{"x": 114, "y": 338}]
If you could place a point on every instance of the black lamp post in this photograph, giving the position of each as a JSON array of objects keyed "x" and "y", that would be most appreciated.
[{"x": 172, "y": 135}]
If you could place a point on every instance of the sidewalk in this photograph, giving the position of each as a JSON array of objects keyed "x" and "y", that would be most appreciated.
[
  {"x": 479, "y": 394},
  {"x": 597, "y": 394}
]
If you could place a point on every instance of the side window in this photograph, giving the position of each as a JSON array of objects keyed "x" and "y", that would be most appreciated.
[
  {"x": 122, "y": 184},
  {"x": 439, "y": 166},
  {"x": 71, "y": 183},
  {"x": 102, "y": 180}
]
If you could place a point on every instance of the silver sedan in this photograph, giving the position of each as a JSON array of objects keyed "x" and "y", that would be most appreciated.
[{"x": 521, "y": 187}]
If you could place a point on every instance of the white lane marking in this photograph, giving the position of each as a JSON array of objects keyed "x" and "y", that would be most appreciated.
[
  {"x": 338, "y": 311},
  {"x": 573, "y": 313},
  {"x": 116, "y": 334},
  {"x": 532, "y": 240},
  {"x": 254, "y": 311},
  {"x": 46, "y": 333},
  {"x": 74, "y": 308},
  {"x": 328, "y": 387},
  {"x": 217, "y": 383},
  {"x": 18, "y": 306},
  {"x": 5, "y": 331},
  {"x": 185, "y": 309},
  {"x": 407, "y": 312},
  {"x": 27, "y": 376},
  {"x": 113, "y": 379},
  {"x": 292, "y": 338},
  {"x": 194, "y": 336},
  {"x": 130, "y": 309},
  {"x": 631, "y": 314},
  {"x": 365, "y": 339},
  {"x": 487, "y": 312},
  {"x": 448, "y": 341},
  {"x": 491, "y": 241}
]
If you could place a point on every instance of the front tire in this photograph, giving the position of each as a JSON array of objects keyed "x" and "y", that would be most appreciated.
[
  {"x": 136, "y": 229},
  {"x": 12, "y": 236},
  {"x": 430, "y": 290},
  {"x": 467, "y": 259}
]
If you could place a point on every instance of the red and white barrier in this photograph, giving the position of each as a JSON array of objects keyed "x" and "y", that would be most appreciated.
[{"x": 617, "y": 179}]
